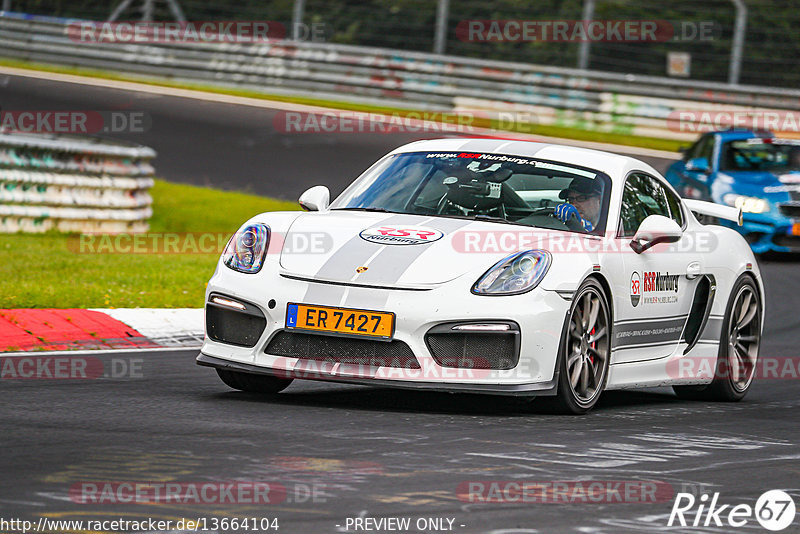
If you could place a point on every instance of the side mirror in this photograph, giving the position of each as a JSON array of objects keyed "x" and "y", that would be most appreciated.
[
  {"x": 698, "y": 165},
  {"x": 315, "y": 199},
  {"x": 655, "y": 229}
]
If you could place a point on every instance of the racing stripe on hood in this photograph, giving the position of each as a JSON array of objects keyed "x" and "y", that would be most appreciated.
[
  {"x": 356, "y": 250},
  {"x": 390, "y": 264},
  {"x": 483, "y": 145},
  {"x": 522, "y": 148}
]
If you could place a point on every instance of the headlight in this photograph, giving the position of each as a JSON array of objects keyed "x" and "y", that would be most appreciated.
[
  {"x": 518, "y": 273},
  {"x": 748, "y": 204},
  {"x": 246, "y": 249}
]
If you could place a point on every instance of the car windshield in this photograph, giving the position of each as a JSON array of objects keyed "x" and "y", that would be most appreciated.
[
  {"x": 773, "y": 155},
  {"x": 503, "y": 188}
]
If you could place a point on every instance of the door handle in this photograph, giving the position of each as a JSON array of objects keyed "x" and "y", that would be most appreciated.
[{"x": 693, "y": 270}]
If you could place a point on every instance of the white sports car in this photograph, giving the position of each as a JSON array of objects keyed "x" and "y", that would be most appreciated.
[{"x": 492, "y": 266}]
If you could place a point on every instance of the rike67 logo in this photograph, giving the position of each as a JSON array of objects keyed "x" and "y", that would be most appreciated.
[
  {"x": 406, "y": 235},
  {"x": 774, "y": 510}
]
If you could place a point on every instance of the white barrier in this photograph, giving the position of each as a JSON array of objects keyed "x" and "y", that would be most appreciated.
[{"x": 73, "y": 185}]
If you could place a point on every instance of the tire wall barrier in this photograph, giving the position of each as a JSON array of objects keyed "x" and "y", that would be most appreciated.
[{"x": 73, "y": 185}]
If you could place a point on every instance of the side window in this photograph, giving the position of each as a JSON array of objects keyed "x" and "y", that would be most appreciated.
[
  {"x": 703, "y": 148},
  {"x": 674, "y": 203},
  {"x": 642, "y": 196},
  {"x": 707, "y": 149},
  {"x": 694, "y": 150}
]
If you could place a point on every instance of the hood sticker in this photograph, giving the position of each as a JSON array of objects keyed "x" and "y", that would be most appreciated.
[{"x": 401, "y": 235}]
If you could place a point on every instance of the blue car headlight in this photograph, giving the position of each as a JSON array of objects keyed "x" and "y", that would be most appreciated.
[
  {"x": 246, "y": 249},
  {"x": 518, "y": 273},
  {"x": 748, "y": 204}
]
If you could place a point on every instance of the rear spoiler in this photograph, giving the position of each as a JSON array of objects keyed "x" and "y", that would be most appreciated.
[{"x": 715, "y": 210}]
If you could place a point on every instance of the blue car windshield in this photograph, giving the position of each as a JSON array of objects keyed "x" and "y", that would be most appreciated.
[
  {"x": 503, "y": 188},
  {"x": 759, "y": 154}
]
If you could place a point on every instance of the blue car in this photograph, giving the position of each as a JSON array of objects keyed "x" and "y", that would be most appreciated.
[{"x": 754, "y": 171}]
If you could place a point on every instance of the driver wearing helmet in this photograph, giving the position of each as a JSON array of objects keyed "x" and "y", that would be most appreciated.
[{"x": 581, "y": 211}]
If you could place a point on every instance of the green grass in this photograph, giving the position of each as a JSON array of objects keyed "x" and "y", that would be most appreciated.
[
  {"x": 586, "y": 133},
  {"x": 47, "y": 270}
]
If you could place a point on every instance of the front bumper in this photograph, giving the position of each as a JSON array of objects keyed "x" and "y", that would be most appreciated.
[
  {"x": 538, "y": 389},
  {"x": 539, "y": 314},
  {"x": 765, "y": 234}
]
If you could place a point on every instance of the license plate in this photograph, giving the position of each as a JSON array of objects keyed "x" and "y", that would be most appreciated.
[{"x": 340, "y": 320}]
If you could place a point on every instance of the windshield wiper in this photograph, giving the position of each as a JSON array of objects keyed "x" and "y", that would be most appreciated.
[
  {"x": 378, "y": 210},
  {"x": 488, "y": 218},
  {"x": 493, "y": 218}
]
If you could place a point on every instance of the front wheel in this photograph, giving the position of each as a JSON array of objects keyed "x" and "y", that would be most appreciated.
[
  {"x": 585, "y": 351},
  {"x": 738, "y": 348},
  {"x": 253, "y": 383}
]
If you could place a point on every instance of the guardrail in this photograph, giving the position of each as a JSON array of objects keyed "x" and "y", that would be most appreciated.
[
  {"x": 73, "y": 185},
  {"x": 607, "y": 102}
]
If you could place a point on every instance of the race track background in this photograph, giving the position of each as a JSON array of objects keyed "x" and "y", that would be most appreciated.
[{"x": 368, "y": 452}]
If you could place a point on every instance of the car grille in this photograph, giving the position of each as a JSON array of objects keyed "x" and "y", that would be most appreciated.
[
  {"x": 318, "y": 347},
  {"x": 474, "y": 351},
  {"x": 790, "y": 209},
  {"x": 235, "y": 327},
  {"x": 790, "y": 241}
]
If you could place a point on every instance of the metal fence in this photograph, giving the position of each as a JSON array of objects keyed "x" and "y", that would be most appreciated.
[
  {"x": 600, "y": 101},
  {"x": 763, "y": 30},
  {"x": 73, "y": 185}
]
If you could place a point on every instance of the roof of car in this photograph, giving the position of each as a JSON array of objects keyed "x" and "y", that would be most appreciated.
[{"x": 741, "y": 133}]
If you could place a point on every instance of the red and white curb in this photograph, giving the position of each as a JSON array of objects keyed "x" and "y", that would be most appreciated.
[
  {"x": 26, "y": 330},
  {"x": 179, "y": 327}
]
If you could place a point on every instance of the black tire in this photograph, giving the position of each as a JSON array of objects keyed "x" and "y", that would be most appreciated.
[
  {"x": 253, "y": 383},
  {"x": 584, "y": 353},
  {"x": 732, "y": 380}
]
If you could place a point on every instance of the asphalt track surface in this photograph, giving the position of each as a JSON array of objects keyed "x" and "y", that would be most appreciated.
[{"x": 367, "y": 452}]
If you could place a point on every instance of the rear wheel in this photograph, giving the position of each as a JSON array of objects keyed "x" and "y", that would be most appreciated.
[
  {"x": 585, "y": 351},
  {"x": 739, "y": 345},
  {"x": 253, "y": 383}
]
